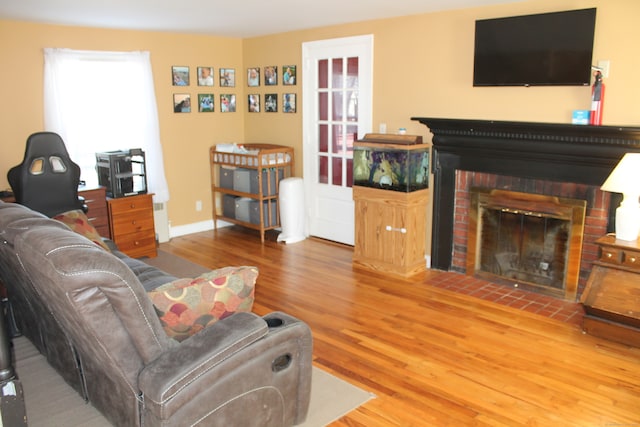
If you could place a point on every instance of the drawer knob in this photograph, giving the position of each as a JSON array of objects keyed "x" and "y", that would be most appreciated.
[
  {"x": 609, "y": 255},
  {"x": 632, "y": 259}
]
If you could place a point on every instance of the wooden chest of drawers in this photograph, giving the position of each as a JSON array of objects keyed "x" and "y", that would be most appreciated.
[
  {"x": 98, "y": 214},
  {"x": 132, "y": 226},
  {"x": 611, "y": 298}
]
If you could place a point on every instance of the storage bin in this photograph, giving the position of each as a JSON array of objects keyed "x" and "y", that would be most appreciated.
[
  {"x": 242, "y": 208},
  {"x": 270, "y": 178},
  {"x": 226, "y": 178},
  {"x": 242, "y": 180},
  {"x": 229, "y": 205},
  {"x": 254, "y": 212}
]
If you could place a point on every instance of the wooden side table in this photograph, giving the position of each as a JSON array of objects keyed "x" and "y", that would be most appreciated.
[
  {"x": 132, "y": 225},
  {"x": 611, "y": 299}
]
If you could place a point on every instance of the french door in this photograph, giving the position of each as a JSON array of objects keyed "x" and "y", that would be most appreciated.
[{"x": 337, "y": 94}]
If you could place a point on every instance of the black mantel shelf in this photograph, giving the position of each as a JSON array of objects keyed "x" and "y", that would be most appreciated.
[{"x": 550, "y": 151}]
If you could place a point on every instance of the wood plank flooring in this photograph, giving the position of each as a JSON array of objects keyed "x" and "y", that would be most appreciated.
[{"x": 433, "y": 356}]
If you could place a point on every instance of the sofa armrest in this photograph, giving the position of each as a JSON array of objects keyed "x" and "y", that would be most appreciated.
[{"x": 193, "y": 357}]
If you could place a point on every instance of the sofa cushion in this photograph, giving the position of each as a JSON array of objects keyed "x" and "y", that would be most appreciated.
[
  {"x": 186, "y": 306},
  {"x": 77, "y": 221}
]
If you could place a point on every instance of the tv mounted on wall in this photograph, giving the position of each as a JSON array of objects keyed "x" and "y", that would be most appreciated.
[{"x": 548, "y": 49}]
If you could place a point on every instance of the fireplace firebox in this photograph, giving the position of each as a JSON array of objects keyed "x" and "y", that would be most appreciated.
[{"x": 527, "y": 240}]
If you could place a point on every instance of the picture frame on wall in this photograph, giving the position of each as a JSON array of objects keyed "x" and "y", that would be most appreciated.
[
  {"x": 271, "y": 103},
  {"x": 205, "y": 103},
  {"x": 227, "y": 77},
  {"x": 288, "y": 102},
  {"x": 253, "y": 76},
  {"x": 181, "y": 103},
  {"x": 180, "y": 75},
  {"x": 253, "y": 100},
  {"x": 271, "y": 75},
  {"x": 205, "y": 76},
  {"x": 289, "y": 75},
  {"x": 227, "y": 103}
]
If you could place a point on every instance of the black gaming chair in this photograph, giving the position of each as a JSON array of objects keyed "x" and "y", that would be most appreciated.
[{"x": 46, "y": 180}]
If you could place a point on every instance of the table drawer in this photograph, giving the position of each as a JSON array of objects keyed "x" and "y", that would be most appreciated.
[
  {"x": 631, "y": 259},
  {"x": 611, "y": 255}
]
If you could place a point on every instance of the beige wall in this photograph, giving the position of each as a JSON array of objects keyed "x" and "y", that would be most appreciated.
[{"x": 422, "y": 67}]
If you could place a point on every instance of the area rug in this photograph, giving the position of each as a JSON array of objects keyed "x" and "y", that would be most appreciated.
[{"x": 51, "y": 402}]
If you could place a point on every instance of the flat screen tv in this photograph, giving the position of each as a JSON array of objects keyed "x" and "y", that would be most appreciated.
[{"x": 548, "y": 49}]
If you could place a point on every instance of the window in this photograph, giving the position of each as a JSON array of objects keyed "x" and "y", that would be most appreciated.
[{"x": 103, "y": 101}]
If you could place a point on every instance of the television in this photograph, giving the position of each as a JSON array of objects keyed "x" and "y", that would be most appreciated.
[{"x": 547, "y": 49}]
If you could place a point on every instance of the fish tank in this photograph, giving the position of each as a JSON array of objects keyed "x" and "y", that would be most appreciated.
[{"x": 391, "y": 162}]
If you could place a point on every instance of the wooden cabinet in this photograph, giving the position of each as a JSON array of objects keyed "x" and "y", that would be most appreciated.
[
  {"x": 611, "y": 299},
  {"x": 390, "y": 230},
  {"x": 132, "y": 226},
  {"x": 245, "y": 185},
  {"x": 98, "y": 213}
]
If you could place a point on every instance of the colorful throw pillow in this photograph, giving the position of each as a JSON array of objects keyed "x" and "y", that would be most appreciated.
[
  {"x": 77, "y": 221},
  {"x": 187, "y": 306}
]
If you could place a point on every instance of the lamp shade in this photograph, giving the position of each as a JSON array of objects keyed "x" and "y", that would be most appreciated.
[{"x": 625, "y": 179}]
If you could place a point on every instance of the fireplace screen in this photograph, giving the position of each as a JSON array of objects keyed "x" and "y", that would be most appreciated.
[{"x": 526, "y": 239}]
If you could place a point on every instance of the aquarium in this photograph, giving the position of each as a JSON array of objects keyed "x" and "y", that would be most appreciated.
[{"x": 392, "y": 166}]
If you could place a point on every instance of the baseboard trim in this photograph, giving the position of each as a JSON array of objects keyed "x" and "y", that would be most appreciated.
[{"x": 196, "y": 227}]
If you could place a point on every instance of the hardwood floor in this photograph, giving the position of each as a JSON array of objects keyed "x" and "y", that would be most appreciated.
[{"x": 433, "y": 356}]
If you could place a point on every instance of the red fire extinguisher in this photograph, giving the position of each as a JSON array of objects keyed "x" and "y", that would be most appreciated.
[{"x": 597, "y": 100}]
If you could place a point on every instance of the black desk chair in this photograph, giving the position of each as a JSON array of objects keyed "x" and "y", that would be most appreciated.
[{"x": 47, "y": 179}]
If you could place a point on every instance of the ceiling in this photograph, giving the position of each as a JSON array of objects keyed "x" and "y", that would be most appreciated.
[{"x": 232, "y": 18}]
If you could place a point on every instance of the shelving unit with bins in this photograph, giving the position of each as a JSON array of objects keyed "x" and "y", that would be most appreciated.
[{"x": 245, "y": 186}]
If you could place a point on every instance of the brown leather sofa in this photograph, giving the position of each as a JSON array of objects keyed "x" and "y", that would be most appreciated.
[{"x": 87, "y": 311}]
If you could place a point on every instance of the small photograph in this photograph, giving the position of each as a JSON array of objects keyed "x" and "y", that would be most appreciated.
[
  {"x": 289, "y": 75},
  {"x": 205, "y": 76},
  {"x": 205, "y": 102},
  {"x": 253, "y": 76},
  {"x": 181, "y": 103},
  {"x": 270, "y": 75},
  {"x": 228, "y": 103},
  {"x": 180, "y": 75},
  {"x": 289, "y": 103},
  {"x": 271, "y": 103},
  {"x": 254, "y": 103},
  {"x": 227, "y": 77}
]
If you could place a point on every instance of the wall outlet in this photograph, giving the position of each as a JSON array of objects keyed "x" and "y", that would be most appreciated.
[
  {"x": 383, "y": 128},
  {"x": 198, "y": 205}
]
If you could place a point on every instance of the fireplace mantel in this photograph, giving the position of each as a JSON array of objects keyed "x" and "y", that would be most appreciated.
[{"x": 551, "y": 151}]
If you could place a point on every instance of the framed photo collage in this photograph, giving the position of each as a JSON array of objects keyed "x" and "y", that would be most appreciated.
[{"x": 267, "y": 100}]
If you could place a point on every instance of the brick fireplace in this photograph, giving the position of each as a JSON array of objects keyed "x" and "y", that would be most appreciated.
[{"x": 540, "y": 158}]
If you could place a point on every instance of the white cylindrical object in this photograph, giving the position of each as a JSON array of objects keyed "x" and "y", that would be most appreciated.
[{"x": 291, "y": 203}]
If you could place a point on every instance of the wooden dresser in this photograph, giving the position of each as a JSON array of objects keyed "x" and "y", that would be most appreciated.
[
  {"x": 98, "y": 213},
  {"x": 132, "y": 226},
  {"x": 96, "y": 200},
  {"x": 611, "y": 299}
]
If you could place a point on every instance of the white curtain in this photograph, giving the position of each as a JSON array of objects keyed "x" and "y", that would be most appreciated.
[{"x": 104, "y": 101}]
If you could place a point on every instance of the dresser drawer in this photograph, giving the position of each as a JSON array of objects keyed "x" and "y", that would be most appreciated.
[
  {"x": 127, "y": 204},
  {"x": 131, "y": 222},
  {"x": 139, "y": 244}
]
